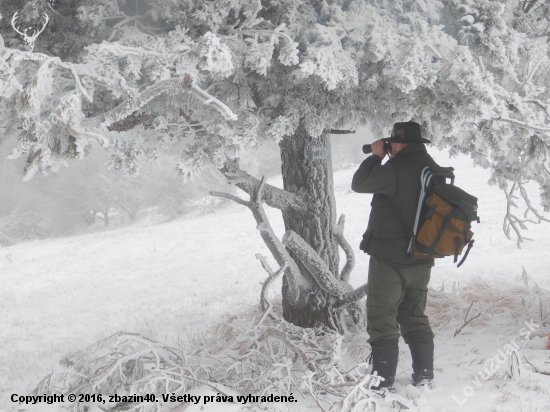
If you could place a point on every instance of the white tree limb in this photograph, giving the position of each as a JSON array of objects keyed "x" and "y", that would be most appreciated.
[
  {"x": 540, "y": 104},
  {"x": 449, "y": 61},
  {"x": 546, "y": 163},
  {"x": 83, "y": 134},
  {"x": 269, "y": 32},
  {"x": 522, "y": 124},
  {"x": 268, "y": 235},
  {"x": 348, "y": 250},
  {"x": 295, "y": 348},
  {"x": 530, "y": 207},
  {"x": 264, "y": 301},
  {"x": 534, "y": 70},
  {"x": 351, "y": 297},
  {"x": 274, "y": 197},
  {"x": 209, "y": 99},
  {"x": 512, "y": 221},
  {"x": 315, "y": 265}
]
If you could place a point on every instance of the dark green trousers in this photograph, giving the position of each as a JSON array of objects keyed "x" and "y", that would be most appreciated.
[{"x": 396, "y": 299}]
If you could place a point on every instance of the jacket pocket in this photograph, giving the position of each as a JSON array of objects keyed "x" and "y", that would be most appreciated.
[{"x": 365, "y": 241}]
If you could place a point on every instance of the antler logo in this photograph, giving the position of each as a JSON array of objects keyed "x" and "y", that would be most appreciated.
[{"x": 29, "y": 39}]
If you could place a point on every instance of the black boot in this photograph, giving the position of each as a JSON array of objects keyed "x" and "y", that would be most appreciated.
[
  {"x": 422, "y": 352},
  {"x": 385, "y": 354}
]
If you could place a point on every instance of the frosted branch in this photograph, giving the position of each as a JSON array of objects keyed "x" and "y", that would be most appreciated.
[
  {"x": 78, "y": 84},
  {"x": 348, "y": 250},
  {"x": 269, "y": 32},
  {"x": 117, "y": 49},
  {"x": 449, "y": 61},
  {"x": 466, "y": 320},
  {"x": 136, "y": 100},
  {"x": 522, "y": 124},
  {"x": 539, "y": 104},
  {"x": 252, "y": 19},
  {"x": 534, "y": 70},
  {"x": 274, "y": 197},
  {"x": 209, "y": 99},
  {"x": 130, "y": 105},
  {"x": 234, "y": 198},
  {"x": 351, "y": 297},
  {"x": 481, "y": 64},
  {"x": 434, "y": 51},
  {"x": 268, "y": 235},
  {"x": 546, "y": 163},
  {"x": 264, "y": 301},
  {"x": 282, "y": 337},
  {"x": 314, "y": 264},
  {"x": 511, "y": 221},
  {"x": 84, "y": 134},
  {"x": 530, "y": 207}
]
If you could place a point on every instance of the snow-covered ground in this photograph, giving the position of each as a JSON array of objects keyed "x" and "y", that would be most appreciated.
[{"x": 171, "y": 281}]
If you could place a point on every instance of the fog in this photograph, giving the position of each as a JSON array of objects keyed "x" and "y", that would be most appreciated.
[{"x": 90, "y": 195}]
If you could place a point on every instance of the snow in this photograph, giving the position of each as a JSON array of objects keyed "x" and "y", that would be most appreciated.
[{"x": 171, "y": 281}]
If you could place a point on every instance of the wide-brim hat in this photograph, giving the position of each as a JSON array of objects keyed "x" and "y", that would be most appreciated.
[{"x": 407, "y": 132}]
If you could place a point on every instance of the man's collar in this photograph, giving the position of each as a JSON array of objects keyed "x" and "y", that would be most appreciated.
[{"x": 411, "y": 148}]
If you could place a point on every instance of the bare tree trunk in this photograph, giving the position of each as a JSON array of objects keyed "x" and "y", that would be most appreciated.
[
  {"x": 314, "y": 292},
  {"x": 307, "y": 172}
]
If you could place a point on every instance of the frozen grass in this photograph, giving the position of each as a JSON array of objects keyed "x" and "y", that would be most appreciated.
[{"x": 513, "y": 301}]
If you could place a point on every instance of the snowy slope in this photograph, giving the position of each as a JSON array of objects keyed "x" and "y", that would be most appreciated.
[{"x": 170, "y": 281}]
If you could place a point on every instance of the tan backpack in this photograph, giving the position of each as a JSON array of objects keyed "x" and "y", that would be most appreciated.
[{"x": 443, "y": 218}]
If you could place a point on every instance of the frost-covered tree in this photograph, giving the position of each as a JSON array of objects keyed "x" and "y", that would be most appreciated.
[{"x": 210, "y": 78}]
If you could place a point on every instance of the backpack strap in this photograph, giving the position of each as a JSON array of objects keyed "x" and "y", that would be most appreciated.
[
  {"x": 425, "y": 178},
  {"x": 458, "y": 243},
  {"x": 470, "y": 245}
]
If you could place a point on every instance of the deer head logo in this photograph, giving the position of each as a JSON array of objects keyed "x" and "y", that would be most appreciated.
[{"x": 29, "y": 39}]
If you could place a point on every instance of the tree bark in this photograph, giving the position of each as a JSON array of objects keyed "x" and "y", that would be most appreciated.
[{"x": 307, "y": 172}]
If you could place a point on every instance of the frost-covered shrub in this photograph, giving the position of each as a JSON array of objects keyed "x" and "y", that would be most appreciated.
[
  {"x": 23, "y": 226},
  {"x": 251, "y": 354}
]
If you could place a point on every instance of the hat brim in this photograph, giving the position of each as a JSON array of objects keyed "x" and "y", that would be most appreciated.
[{"x": 421, "y": 140}]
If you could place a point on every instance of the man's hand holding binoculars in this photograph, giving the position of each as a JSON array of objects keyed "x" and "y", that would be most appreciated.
[
  {"x": 379, "y": 149},
  {"x": 383, "y": 146}
]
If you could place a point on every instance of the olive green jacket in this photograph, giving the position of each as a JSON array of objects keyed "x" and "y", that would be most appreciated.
[{"x": 399, "y": 180}]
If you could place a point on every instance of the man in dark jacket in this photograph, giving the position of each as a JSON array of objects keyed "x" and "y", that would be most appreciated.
[{"x": 397, "y": 285}]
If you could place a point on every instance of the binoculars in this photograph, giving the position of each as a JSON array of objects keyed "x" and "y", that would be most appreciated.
[{"x": 387, "y": 146}]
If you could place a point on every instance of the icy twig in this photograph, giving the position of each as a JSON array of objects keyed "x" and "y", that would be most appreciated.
[
  {"x": 357, "y": 393},
  {"x": 449, "y": 61},
  {"x": 511, "y": 220},
  {"x": 466, "y": 320},
  {"x": 530, "y": 207},
  {"x": 252, "y": 19},
  {"x": 309, "y": 385},
  {"x": 282, "y": 337},
  {"x": 535, "y": 369},
  {"x": 546, "y": 163},
  {"x": 264, "y": 301},
  {"x": 116, "y": 364},
  {"x": 209, "y": 99},
  {"x": 84, "y": 134},
  {"x": 534, "y": 70},
  {"x": 348, "y": 250},
  {"x": 539, "y": 104}
]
